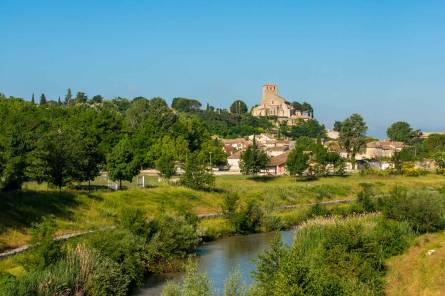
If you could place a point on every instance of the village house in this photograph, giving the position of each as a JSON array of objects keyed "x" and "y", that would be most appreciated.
[
  {"x": 233, "y": 162},
  {"x": 233, "y": 145},
  {"x": 277, "y": 164},
  {"x": 275, "y": 151},
  {"x": 382, "y": 149}
]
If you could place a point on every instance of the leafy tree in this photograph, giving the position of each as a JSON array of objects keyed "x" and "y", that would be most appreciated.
[
  {"x": 68, "y": 96},
  {"x": 268, "y": 264},
  {"x": 185, "y": 105},
  {"x": 166, "y": 165},
  {"x": 196, "y": 175},
  {"x": 439, "y": 159},
  {"x": 253, "y": 160},
  {"x": 238, "y": 107},
  {"x": 308, "y": 128},
  {"x": 97, "y": 99},
  {"x": 352, "y": 135},
  {"x": 88, "y": 160},
  {"x": 212, "y": 152},
  {"x": 121, "y": 162},
  {"x": 81, "y": 97},
  {"x": 402, "y": 131},
  {"x": 122, "y": 104},
  {"x": 337, "y": 126},
  {"x": 42, "y": 99},
  {"x": 297, "y": 162},
  {"x": 54, "y": 158}
]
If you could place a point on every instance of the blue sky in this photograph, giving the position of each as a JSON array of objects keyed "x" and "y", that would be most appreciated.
[{"x": 382, "y": 59}]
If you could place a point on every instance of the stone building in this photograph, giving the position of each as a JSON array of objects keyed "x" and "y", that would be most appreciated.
[{"x": 276, "y": 106}]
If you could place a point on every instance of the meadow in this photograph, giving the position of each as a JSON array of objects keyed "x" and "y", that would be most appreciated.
[{"x": 78, "y": 210}]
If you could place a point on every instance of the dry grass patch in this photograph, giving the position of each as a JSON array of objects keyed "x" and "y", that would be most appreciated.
[{"x": 417, "y": 273}]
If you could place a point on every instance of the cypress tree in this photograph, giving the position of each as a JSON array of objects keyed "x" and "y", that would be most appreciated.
[
  {"x": 68, "y": 96},
  {"x": 42, "y": 99},
  {"x": 33, "y": 101}
]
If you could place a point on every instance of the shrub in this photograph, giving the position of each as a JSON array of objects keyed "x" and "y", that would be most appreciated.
[
  {"x": 133, "y": 219},
  {"x": 44, "y": 249},
  {"x": 424, "y": 210},
  {"x": 82, "y": 272},
  {"x": 195, "y": 284},
  {"x": 335, "y": 257},
  {"x": 248, "y": 218},
  {"x": 173, "y": 237},
  {"x": 365, "y": 197}
]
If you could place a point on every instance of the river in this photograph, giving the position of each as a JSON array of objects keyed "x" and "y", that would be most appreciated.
[{"x": 219, "y": 258}]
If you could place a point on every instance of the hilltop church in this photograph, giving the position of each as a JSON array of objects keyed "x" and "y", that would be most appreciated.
[{"x": 274, "y": 105}]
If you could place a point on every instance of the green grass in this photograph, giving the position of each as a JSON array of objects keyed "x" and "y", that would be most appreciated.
[{"x": 79, "y": 210}]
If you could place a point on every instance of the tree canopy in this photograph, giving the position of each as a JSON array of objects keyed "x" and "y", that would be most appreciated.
[
  {"x": 352, "y": 135},
  {"x": 185, "y": 105},
  {"x": 402, "y": 131},
  {"x": 238, "y": 107}
]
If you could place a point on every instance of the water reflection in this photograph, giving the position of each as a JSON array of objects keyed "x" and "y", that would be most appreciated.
[{"x": 220, "y": 257}]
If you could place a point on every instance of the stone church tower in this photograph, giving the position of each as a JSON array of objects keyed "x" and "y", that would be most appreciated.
[
  {"x": 276, "y": 106},
  {"x": 272, "y": 104}
]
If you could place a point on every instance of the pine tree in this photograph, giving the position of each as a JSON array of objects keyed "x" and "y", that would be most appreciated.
[
  {"x": 59, "y": 101},
  {"x": 33, "y": 101},
  {"x": 42, "y": 99}
]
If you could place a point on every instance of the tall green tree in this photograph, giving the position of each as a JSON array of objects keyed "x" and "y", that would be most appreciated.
[
  {"x": 297, "y": 162},
  {"x": 238, "y": 107},
  {"x": 402, "y": 131},
  {"x": 212, "y": 152},
  {"x": 53, "y": 160},
  {"x": 68, "y": 96},
  {"x": 81, "y": 97},
  {"x": 97, "y": 99},
  {"x": 88, "y": 159},
  {"x": 196, "y": 174},
  {"x": 352, "y": 135},
  {"x": 166, "y": 165},
  {"x": 42, "y": 99},
  {"x": 253, "y": 160},
  {"x": 122, "y": 164},
  {"x": 33, "y": 101}
]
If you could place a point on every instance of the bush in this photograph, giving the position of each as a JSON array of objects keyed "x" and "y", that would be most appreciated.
[
  {"x": 173, "y": 237},
  {"x": 334, "y": 257},
  {"x": 248, "y": 218},
  {"x": 409, "y": 170},
  {"x": 365, "y": 197},
  {"x": 424, "y": 210},
  {"x": 44, "y": 249},
  {"x": 82, "y": 272},
  {"x": 195, "y": 284}
]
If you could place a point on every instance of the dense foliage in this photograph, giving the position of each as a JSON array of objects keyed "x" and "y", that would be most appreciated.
[
  {"x": 112, "y": 262},
  {"x": 253, "y": 160},
  {"x": 63, "y": 143}
]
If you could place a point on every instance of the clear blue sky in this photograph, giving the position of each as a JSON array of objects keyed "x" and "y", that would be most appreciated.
[{"x": 383, "y": 59}]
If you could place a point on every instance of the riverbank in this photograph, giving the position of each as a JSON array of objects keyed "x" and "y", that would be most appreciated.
[{"x": 76, "y": 211}]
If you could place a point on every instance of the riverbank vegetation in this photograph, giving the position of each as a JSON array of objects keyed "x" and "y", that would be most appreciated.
[{"x": 144, "y": 243}]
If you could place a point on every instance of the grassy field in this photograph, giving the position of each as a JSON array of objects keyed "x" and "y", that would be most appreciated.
[
  {"x": 417, "y": 273},
  {"x": 80, "y": 210}
]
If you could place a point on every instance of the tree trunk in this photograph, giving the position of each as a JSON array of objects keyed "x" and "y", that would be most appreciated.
[
  {"x": 120, "y": 184},
  {"x": 89, "y": 185}
]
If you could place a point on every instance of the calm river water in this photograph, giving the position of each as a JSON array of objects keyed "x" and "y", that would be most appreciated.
[{"x": 220, "y": 257}]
